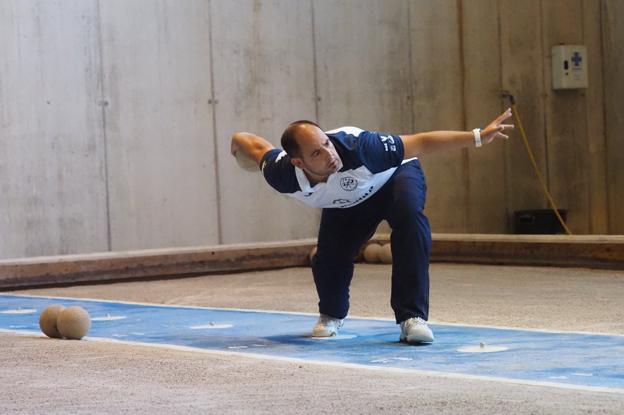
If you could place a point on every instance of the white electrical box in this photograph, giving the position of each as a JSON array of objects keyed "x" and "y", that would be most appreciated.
[{"x": 569, "y": 67}]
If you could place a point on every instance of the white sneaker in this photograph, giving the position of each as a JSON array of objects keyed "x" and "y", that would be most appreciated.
[
  {"x": 415, "y": 330},
  {"x": 327, "y": 326}
]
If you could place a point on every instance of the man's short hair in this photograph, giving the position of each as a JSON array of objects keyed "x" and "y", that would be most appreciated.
[{"x": 289, "y": 137}]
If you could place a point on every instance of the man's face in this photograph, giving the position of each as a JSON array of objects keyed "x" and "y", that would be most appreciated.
[{"x": 318, "y": 154}]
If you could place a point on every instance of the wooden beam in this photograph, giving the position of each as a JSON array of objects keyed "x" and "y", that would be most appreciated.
[
  {"x": 543, "y": 250},
  {"x": 150, "y": 264}
]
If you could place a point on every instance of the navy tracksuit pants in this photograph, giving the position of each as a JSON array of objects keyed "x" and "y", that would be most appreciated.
[{"x": 343, "y": 232}]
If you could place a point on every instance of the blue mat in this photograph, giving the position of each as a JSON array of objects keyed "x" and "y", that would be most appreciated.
[{"x": 564, "y": 359}]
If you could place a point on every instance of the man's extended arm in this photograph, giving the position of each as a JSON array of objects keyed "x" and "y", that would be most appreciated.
[
  {"x": 253, "y": 146},
  {"x": 423, "y": 143}
]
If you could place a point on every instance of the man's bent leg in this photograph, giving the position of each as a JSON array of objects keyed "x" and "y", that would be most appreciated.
[
  {"x": 341, "y": 235},
  {"x": 411, "y": 244}
]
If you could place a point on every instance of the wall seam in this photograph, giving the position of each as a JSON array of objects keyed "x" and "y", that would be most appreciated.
[
  {"x": 213, "y": 103},
  {"x": 509, "y": 206},
  {"x": 314, "y": 63},
  {"x": 545, "y": 99},
  {"x": 590, "y": 202},
  {"x": 103, "y": 104},
  {"x": 465, "y": 157},
  {"x": 508, "y": 227},
  {"x": 605, "y": 27},
  {"x": 411, "y": 69}
]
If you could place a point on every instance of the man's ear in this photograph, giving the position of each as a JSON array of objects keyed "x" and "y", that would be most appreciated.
[{"x": 296, "y": 161}]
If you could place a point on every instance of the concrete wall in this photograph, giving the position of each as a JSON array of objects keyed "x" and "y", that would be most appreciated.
[
  {"x": 158, "y": 123},
  {"x": 52, "y": 150},
  {"x": 263, "y": 69},
  {"x": 115, "y": 115}
]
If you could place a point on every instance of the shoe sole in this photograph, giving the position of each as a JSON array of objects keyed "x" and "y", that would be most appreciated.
[
  {"x": 415, "y": 340},
  {"x": 323, "y": 334}
]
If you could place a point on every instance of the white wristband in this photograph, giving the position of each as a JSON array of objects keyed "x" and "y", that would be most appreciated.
[{"x": 477, "y": 136}]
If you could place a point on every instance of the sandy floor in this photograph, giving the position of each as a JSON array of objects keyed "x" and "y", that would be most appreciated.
[{"x": 41, "y": 375}]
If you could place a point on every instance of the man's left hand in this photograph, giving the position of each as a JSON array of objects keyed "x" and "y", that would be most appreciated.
[{"x": 496, "y": 129}]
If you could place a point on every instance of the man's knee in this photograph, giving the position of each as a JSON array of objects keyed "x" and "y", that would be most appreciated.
[
  {"x": 335, "y": 257},
  {"x": 409, "y": 218}
]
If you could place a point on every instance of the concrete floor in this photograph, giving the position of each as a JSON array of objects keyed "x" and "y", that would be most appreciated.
[{"x": 106, "y": 378}]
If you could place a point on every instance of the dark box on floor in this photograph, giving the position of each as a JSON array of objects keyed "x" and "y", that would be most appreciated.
[{"x": 538, "y": 221}]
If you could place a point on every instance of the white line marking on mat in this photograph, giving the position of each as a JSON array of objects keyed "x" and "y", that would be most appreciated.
[
  {"x": 337, "y": 364},
  {"x": 249, "y": 310}
]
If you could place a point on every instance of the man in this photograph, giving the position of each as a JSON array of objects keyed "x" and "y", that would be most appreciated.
[{"x": 360, "y": 178}]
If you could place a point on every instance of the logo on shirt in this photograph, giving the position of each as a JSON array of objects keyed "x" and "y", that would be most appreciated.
[
  {"x": 348, "y": 183},
  {"x": 388, "y": 142},
  {"x": 341, "y": 201},
  {"x": 364, "y": 196}
]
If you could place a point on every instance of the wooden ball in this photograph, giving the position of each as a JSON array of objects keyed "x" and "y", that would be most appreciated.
[
  {"x": 385, "y": 254},
  {"x": 371, "y": 253},
  {"x": 246, "y": 163},
  {"x": 73, "y": 322},
  {"x": 47, "y": 321}
]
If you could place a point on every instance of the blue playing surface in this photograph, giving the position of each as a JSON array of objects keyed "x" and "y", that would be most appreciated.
[{"x": 586, "y": 360}]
